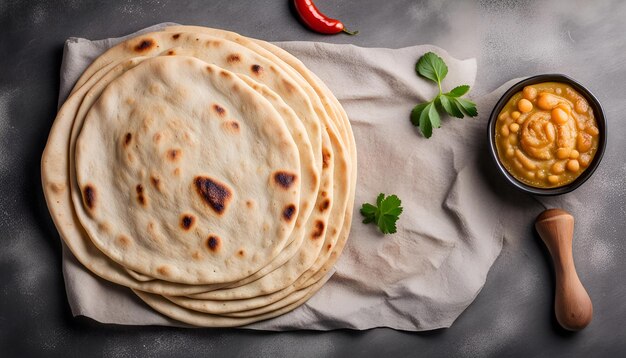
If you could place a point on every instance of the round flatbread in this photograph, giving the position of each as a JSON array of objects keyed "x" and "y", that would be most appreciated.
[{"x": 186, "y": 173}]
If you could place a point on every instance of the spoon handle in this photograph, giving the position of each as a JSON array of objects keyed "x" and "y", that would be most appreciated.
[{"x": 572, "y": 304}]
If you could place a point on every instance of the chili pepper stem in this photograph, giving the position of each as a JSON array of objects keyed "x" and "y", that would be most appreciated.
[{"x": 351, "y": 33}]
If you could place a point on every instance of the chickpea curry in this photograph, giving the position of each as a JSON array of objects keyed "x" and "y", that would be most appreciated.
[{"x": 546, "y": 135}]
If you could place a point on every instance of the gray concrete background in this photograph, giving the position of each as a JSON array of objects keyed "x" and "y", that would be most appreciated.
[{"x": 512, "y": 316}]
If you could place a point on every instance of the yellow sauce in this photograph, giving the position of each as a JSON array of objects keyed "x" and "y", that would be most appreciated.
[{"x": 546, "y": 135}]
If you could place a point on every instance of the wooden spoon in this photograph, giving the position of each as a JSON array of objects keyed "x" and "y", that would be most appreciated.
[{"x": 572, "y": 303}]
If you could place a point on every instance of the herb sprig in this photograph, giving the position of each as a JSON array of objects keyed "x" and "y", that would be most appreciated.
[
  {"x": 427, "y": 115},
  {"x": 385, "y": 213}
]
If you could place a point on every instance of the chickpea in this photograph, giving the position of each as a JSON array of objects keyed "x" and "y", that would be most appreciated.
[
  {"x": 530, "y": 93},
  {"x": 553, "y": 179},
  {"x": 558, "y": 91},
  {"x": 503, "y": 116},
  {"x": 583, "y": 142},
  {"x": 504, "y": 131},
  {"x": 558, "y": 167},
  {"x": 514, "y": 127},
  {"x": 524, "y": 105},
  {"x": 581, "y": 106},
  {"x": 510, "y": 152},
  {"x": 584, "y": 160},
  {"x": 515, "y": 114},
  {"x": 573, "y": 165},
  {"x": 530, "y": 175},
  {"x": 559, "y": 116},
  {"x": 574, "y": 154},
  {"x": 550, "y": 131},
  {"x": 513, "y": 139},
  {"x": 565, "y": 107},
  {"x": 547, "y": 101},
  {"x": 541, "y": 174},
  {"x": 563, "y": 153},
  {"x": 592, "y": 130}
]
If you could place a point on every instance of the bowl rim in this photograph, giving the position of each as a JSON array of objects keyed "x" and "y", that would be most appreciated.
[{"x": 598, "y": 115}]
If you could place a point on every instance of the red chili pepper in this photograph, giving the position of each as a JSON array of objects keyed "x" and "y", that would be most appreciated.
[{"x": 317, "y": 21}]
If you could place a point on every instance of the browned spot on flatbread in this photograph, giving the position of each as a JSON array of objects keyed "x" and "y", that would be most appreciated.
[
  {"x": 174, "y": 154},
  {"x": 196, "y": 255},
  {"x": 213, "y": 243},
  {"x": 127, "y": 138},
  {"x": 284, "y": 179},
  {"x": 289, "y": 211},
  {"x": 289, "y": 87},
  {"x": 249, "y": 203},
  {"x": 163, "y": 270},
  {"x": 233, "y": 58},
  {"x": 145, "y": 45},
  {"x": 221, "y": 111},
  {"x": 241, "y": 253},
  {"x": 209, "y": 69},
  {"x": 175, "y": 36},
  {"x": 324, "y": 194},
  {"x": 324, "y": 205},
  {"x": 104, "y": 227},
  {"x": 325, "y": 158},
  {"x": 187, "y": 221},
  {"x": 156, "y": 182},
  {"x": 123, "y": 241},
  {"x": 89, "y": 196},
  {"x": 231, "y": 127},
  {"x": 225, "y": 74},
  {"x": 318, "y": 230},
  {"x": 177, "y": 172},
  {"x": 157, "y": 137},
  {"x": 256, "y": 69},
  {"x": 141, "y": 198},
  {"x": 214, "y": 193},
  {"x": 56, "y": 187},
  {"x": 328, "y": 247},
  {"x": 171, "y": 52}
]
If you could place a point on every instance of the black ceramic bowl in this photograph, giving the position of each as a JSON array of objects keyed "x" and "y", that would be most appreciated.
[{"x": 599, "y": 116}]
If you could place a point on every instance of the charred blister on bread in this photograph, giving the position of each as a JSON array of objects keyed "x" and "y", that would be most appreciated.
[
  {"x": 215, "y": 194},
  {"x": 284, "y": 179},
  {"x": 289, "y": 212},
  {"x": 213, "y": 243}
]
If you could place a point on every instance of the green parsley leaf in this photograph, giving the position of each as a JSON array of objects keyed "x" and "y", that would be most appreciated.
[
  {"x": 459, "y": 91},
  {"x": 386, "y": 212},
  {"x": 416, "y": 112},
  {"x": 468, "y": 107},
  {"x": 427, "y": 115},
  {"x": 426, "y": 126},
  {"x": 450, "y": 106},
  {"x": 432, "y": 67}
]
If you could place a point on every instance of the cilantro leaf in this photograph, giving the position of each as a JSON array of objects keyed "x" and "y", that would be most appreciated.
[
  {"x": 416, "y": 112},
  {"x": 432, "y": 67},
  {"x": 427, "y": 115},
  {"x": 450, "y": 106},
  {"x": 458, "y": 91},
  {"x": 468, "y": 107},
  {"x": 386, "y": 213},
  {"x": 426, "y": 126}
]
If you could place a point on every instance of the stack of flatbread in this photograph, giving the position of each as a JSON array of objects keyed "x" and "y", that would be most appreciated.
[{"x": 211, "y": 173}]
